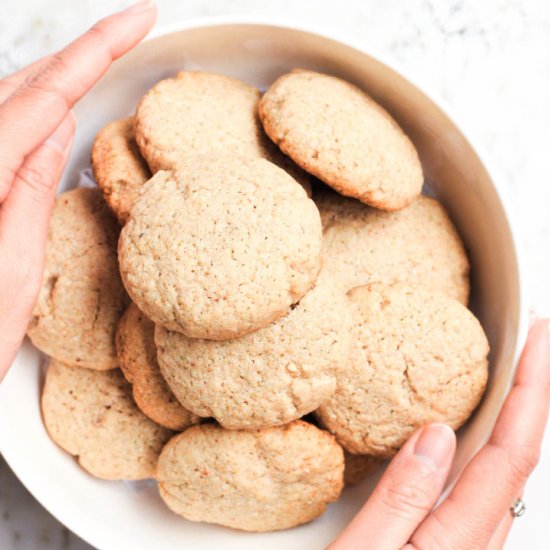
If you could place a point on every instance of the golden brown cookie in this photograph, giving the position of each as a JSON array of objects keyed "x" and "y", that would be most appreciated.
[
  {"x": 266, "y": 378},
  {"x": 339, "y": 134},
  {"x": 197, "y": 113},
  {"x": 417, "y": 357},
  {"x": 359, "y": 467},
  {"x": 92, "y": 416},
  {"x": 418, "y": 245},
  {"x": 137, "y": 355},
  {"x": 119, "y": 168},
  {"x": 201, "y": 113},
  {"x": 220, "y": 247},
  {"x": 82, "y": 297},
  {"x": 255, "y": 481}
]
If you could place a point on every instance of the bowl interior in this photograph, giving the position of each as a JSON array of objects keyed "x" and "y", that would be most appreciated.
[{"x": 128, "y": 515}]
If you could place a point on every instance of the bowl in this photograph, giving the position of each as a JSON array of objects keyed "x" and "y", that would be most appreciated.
[{"x": 125, "y": 515}]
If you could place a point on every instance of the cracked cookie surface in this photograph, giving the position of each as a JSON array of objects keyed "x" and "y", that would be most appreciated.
[
  {"x": 220, "y": 247},
  {"x": 119, "y": 168},
  {"x": 92, "y": 416},
  {"x": 261, "y": 480},
  {"x": 266, "y": 378},
  {"x": 417, "y": 356},
  {"x": 137, "y": 356},
  {"x": 339, "y": 134},
  {"x": 418, "y": 245},
  {"x": 82, "y": 297}
]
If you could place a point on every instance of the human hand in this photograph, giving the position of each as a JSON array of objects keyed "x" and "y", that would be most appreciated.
[
  {"x": 36, "y": 133},
  {"x": 476, "y": 514}
]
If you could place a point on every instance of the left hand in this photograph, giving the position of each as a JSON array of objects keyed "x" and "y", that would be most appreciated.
[{"x": 36, "y": 133}]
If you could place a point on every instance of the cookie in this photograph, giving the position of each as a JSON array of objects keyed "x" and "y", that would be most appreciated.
[
  {"x": 137, "y": 355},
  {"x": 119, "y": 168},
  {"x": 417, "y": 357},
  {"x": 220, "y": 247},
  {"x": 82, "y": 297},
  {"x": 418, "y": 244},
  {"x": 274, "y": 155},
  {"x": 266, "y": 378},
  {"x": 339, "y": 134},
  {"x": 92, "y": 415},
  {"x": 261, "y": 480},
  {"x": 359, "y": 467},
  {"x": 201, "y": 113}
]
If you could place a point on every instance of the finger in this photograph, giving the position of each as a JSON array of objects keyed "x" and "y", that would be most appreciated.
[
  {"x": 48, "y": 93},
  {"x": 11, "y": 82},
  {"x": 24, "y": 218},
  {"x": 501, "y": 534},
  {"x": 408, "y": 490},
  {"x": 502, "y": 531},
  {"x": 493, "y": 479},
  {"x": 7, "y": 86}
]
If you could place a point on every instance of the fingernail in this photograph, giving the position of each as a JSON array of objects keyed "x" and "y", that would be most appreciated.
[
  {"x": 533, "y": 318},
  {"x": 63, "y": 135},
  {"x": 138, "y": 7},
  {"x": 435, "y": 445}
]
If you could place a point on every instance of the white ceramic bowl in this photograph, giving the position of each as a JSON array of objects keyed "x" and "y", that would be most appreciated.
[{"x": 118, "y": 515}]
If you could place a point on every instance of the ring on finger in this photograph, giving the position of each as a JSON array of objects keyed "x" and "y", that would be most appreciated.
[{"x": 518, "y": 508}]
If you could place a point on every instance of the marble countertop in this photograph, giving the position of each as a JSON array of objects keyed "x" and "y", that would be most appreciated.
[{"x": 489, "y": 60}]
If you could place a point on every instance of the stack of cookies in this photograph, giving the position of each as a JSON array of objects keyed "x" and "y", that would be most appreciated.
[{"x": 257, "y": 303}]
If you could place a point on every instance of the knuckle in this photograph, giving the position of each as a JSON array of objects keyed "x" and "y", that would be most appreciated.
[
  {"x": 98, "y": 32},
  {"x": 57, "y": 64},
  {"x": 101, "y": 39},
  {"x": 522, "y": 460},
  {"x": 44, "y": 81},
  {"x": 439, "y": 537},
  {"x": 36, "y": 179},
  {"x": 408, "y": 499}
]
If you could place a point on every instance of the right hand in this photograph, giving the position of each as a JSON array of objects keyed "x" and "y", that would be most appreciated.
[{"x": 476, "y": 514}]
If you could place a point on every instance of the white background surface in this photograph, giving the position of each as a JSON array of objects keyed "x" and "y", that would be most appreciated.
[{"x": 490, "y": 60}]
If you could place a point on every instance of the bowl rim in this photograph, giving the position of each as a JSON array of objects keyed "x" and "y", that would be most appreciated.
[{"x": 495, "y": 174}]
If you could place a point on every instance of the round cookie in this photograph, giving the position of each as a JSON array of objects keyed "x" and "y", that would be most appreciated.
[
  {"x": 201, "y": 113},
  {"x": 417, "y": 357},
  {"x": 339, "y": 134},
  {"x": 359, "y": 467},
  {"x": 119, "y": 168},
  {"x": 137, "y": 355},
  {"x": 197, "y": 113},
  {"x": 267, "y": 378},
  {"x": 82, "y": 296},
  {"x": 261, "y": 480},
  {"x": 214, "y": 264},
  {"x": 91, "y": 415},
  {"x": 418, "y": 245}
]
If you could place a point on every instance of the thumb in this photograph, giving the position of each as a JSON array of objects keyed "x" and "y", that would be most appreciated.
[{"x": 405, "y": 495}]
